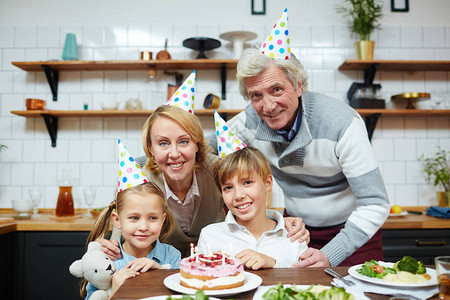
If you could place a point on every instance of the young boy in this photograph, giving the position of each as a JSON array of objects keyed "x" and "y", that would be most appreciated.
[{"x": 256, "y": 236}]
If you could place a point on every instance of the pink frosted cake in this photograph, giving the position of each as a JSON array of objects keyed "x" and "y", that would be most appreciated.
[{"x": 211, "y": 272}]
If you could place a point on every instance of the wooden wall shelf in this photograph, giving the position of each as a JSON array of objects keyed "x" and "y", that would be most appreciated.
[
  {"x": 51, "y": 116},
  {"x": 396, "y": 65},
  {"x": 114, "y": 65},
  {"x": 112, "y": 113},
  {"x": 52, "y": 68}
]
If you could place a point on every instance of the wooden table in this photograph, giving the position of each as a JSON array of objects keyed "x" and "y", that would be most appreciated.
[{"x": 151, "y": 283}]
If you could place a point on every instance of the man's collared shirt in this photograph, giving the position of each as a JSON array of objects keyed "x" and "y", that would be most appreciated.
[
  {"x": 298, "y": 120},
  {"x": 183, "y": 211}
]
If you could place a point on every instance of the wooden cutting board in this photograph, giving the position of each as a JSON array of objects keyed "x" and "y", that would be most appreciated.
[{"x": 6, "y": 220}]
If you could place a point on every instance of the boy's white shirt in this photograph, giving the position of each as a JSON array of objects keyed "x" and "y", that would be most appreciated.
[{"x": 274, "y": 243}]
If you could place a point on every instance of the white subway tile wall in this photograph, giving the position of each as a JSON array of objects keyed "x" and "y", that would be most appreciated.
[{"x": 86, "y": 145}]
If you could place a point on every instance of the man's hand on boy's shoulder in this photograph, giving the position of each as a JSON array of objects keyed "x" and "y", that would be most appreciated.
[
  {"x": 296, "y": 229},
  {"x": 255, "y": 260},
  {"x": 312, "y": 258}
]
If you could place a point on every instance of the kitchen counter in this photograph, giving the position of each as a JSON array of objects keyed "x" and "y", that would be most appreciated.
[{"x": 49, "y": 222}]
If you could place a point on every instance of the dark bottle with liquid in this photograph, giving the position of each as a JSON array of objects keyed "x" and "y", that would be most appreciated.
[{"x": 64, "y": 207}]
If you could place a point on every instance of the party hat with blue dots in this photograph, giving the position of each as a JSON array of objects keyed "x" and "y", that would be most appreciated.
[
  {"x": 277, "y": 44},
  {"x": 227, "y": 141},
  {"x": 184, "y": 96},
  {"x": 130, "y": 174}
]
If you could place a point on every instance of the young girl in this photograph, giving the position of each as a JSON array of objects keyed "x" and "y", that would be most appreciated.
[
  {"x": 258, "y": 237},
  {"x": 141, "y": 214}
]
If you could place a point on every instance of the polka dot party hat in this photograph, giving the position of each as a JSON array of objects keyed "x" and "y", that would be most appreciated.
[
  {"x": 277, "y": 44},
  {"x": 227, "y": 141},
  {"x": 130, "y": 174},
  {"x": 184, "y": 96}
]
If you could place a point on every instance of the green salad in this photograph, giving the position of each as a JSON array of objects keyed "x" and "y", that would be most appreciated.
[
  {"x": 313, "y": 292},
  {"x": 199, "y": 295},
  {"x": 408, "y": 264}
]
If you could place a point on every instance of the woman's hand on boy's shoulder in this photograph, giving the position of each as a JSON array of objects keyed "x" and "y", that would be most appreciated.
[
  {"x": 296, "y": 229},
  {"x": 143, "y": 264},
  {"x": 255, "y": 260}
]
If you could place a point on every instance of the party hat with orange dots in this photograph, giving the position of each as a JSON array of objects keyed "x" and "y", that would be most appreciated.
[
  {"x": 277, "y": 44},
  {"x": 130, "y": 174},
  {"x": 184, "y": 96},
  {"x": 227, "y": 141}
]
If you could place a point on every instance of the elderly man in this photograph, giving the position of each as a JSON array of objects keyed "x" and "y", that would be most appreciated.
[{"x": 319, "y": 153}]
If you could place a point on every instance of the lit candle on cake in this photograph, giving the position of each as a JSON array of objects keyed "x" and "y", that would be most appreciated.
[
  {"x": 196, "y": 253},
  {"x": 209, "y": 249},
  {"x": 192, "y": 250},
  {"x": 223, "y": 257}
]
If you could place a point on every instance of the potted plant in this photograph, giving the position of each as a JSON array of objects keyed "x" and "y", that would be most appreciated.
[
  {"x": 437, "y": 171},
  {"x": 366, "y": 15}
]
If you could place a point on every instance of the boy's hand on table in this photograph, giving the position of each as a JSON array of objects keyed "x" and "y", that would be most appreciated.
[
  {"x": 142, "y": 264},
  {"x": 110, "y": 248},
  {"x": 296, "y": 229},
  {"x": 255, "y": 260},
  {"x": 312, "y": 258}
]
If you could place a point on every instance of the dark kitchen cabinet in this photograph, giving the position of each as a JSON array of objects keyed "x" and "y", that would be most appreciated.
[
  {"x": 422, "y": 244},
  {"x": 7, "y": 264},
  {"x": 42, "y": 264}
]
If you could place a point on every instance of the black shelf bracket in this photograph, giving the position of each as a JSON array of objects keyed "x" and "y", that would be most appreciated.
[
  {"x": 52, "y": 126},
  {"x": 369, "y": 73},
  {"x": 371, "y": 123},
  {"x": 53, "y": 79},
  {"x": 224, "y": 80}
]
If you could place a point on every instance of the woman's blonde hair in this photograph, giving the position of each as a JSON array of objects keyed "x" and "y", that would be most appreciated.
[
  {"x": 103, "y": 223},
  {"x": 189, "y": 122},
  {"x": 241, "y": 163},
  {"x": 252, "y": 63}
]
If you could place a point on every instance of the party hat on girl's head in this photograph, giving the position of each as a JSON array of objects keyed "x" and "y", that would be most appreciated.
[
  {"x": 227, "y": 141},
  {"x": 277, "y": 44},
  {"x": 130, "y": 174},
  {"x": 184, "y": 96}
]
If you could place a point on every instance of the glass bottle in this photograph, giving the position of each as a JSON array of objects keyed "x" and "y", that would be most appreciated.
[{"x": 64, "y": 207}]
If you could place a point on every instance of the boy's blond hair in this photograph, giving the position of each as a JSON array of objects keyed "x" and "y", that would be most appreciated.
[{"x": 241, "y": 163}]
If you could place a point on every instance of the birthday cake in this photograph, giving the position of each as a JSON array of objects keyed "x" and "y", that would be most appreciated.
[{"x": 216, "y": 271}]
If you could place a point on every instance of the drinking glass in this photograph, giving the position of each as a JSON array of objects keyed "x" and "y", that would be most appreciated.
[
  {"x": 443, "y": 274},
  {"x": 89, "y": 197},
  {"x": 35, "y": 196}
]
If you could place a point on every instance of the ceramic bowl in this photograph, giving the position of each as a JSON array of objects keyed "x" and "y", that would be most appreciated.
[{"x": 22, "y": 207}]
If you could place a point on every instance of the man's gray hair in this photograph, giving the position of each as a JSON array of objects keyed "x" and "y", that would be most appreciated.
[{"x": 253, "y": 63}]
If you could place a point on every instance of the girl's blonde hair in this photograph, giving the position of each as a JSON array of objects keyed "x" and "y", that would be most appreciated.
[
  {"x": 188, "y": 121},
  {"x": 241, "y": 163},
  {"x": 103, "y": 223}
]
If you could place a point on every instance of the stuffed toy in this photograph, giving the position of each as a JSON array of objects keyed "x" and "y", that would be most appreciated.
[{"x": 96, "y": 267}]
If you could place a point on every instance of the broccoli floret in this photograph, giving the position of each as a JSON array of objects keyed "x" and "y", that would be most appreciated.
[
  {"x": 421, "y": 268},
  {"x": 410, "y": 264}
]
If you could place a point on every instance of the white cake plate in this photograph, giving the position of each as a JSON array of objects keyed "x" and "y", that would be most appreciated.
[{"x": 238, "y": 38}]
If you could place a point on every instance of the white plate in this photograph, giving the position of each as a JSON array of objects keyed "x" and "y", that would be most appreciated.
[
  {"x": 402, "y": 214},
  {"x": 264, "y": 288},
  {"x": 251, "y": 282},
  {"x": 164, "y": 297},
  {"x": 352, "y": 271}
]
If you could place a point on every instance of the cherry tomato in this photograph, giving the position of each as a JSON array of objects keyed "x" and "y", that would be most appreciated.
[{"x": 377, "y": 269}]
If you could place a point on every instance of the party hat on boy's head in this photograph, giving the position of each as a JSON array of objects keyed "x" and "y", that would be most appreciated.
[
  {"x": 130, "y": 174},
  {"x": 227, "y": 141},
  {"x": 277, "y": 44},
  {"x": 184, "y": 96}
]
